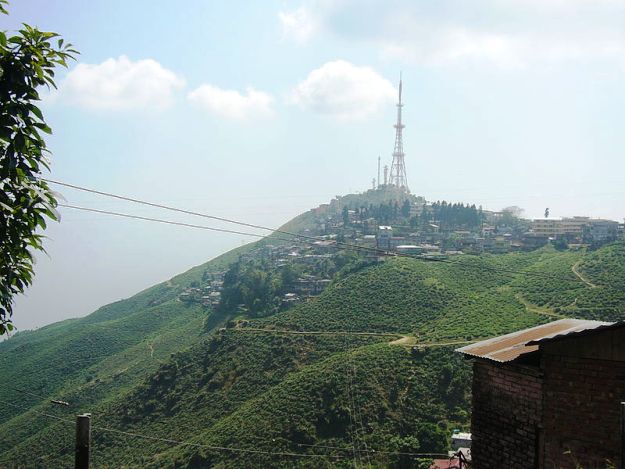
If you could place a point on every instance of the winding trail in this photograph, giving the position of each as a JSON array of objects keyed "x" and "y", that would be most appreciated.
[
  {"x": 532, "y": 308},
  {"x": 404, "y": 340},
  {"x": 417, "y": 344},
  {"x": 287, "y": 331},
  {"x": 581, "y": 277}
]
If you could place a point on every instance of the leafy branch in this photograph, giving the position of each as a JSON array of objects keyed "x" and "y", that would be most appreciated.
[{"x": 28, "y": 60}]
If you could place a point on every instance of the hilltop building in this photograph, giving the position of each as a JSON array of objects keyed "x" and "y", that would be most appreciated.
[
  {"x": 594, "y": 229},
  {"x": 549, "y": 396},
  {"x": 385, "y": 235}
]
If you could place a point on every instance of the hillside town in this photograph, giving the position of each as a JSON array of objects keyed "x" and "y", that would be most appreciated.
[
  {"x": 408, "y": 225},
  {"x": 418, "y": 227}
]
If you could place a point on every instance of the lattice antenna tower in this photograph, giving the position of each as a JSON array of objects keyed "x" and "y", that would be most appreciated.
[{"x": 398, "y": 167}]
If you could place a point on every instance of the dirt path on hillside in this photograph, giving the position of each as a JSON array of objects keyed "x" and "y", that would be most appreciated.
[
  {"x": 532, "y": 308},
  {"x": 412, "y": 342},
  {"x": 581, "y": 277},
  {"x": 287, "y": 331},
  {"x": 403, "y": 341},
  {"x": 406, "y": 341}
]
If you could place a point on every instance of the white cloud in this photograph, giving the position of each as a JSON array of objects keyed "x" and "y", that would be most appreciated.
[
  {"x": 120, "y": 84},
  {"x": 507, "y": 51},
  {"x": 460, "y": 45},
  {"x": 503, "y": 33},
  {"x": 298, "y": 24},
  {"x": 343, "y": 90},
  {"x": 232, "y": 104}
]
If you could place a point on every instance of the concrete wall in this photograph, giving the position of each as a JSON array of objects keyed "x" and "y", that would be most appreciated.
[{"x": 506, "y": 416}]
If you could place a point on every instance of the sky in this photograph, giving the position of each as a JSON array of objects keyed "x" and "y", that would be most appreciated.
[{"x": 260, "y": 110}]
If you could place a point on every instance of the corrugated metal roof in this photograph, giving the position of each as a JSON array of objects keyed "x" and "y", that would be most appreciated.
[
  {"x": 509, "y": 347},
  {"x": 605, "y": 326}
]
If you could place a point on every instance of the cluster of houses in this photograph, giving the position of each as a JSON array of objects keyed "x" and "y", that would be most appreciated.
[
  {"x": 305, "y": 287},
  {"x": 208, "y": 294},
  {"x": 497, "y": 232},
  {"x": 310, "y": 256},
  {"x": 502, "y": 240},
  {"x": 309, "y": 284}
]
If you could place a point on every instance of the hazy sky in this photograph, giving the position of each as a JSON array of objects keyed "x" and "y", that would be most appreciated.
[{"x": 260, "y": 110}]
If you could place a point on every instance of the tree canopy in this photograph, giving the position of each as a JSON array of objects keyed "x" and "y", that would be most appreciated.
[{"x": 28, "y": 60}]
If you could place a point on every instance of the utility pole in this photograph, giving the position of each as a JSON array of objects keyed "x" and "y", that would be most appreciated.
[
  {"x": 621, "y": 463},
  {"x": 83, "y": 441}
]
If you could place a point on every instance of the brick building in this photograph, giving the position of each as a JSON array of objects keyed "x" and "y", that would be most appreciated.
[{"x": 549, "y": 396}]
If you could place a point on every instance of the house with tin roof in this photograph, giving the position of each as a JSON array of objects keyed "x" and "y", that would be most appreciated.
[{"x": 549, "y": 396}]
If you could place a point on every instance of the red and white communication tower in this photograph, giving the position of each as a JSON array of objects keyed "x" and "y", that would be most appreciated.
[{"x": 398, "y": 167}]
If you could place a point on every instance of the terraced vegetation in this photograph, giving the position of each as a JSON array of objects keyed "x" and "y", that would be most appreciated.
[{"x": 149, "y": 365}]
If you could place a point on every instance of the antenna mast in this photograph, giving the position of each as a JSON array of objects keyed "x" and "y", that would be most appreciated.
[{"x": 398, "y": 168}]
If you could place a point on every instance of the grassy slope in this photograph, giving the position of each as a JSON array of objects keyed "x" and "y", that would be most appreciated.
[
  {"x": 86, "y": 361},
  {"x": 219, "y": 391},
  {"x": 90, "y": 360},
  {"x": 245, "y": 388}
]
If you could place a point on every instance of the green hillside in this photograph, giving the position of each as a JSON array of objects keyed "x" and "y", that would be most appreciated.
[{"x": 364, "y": 373}]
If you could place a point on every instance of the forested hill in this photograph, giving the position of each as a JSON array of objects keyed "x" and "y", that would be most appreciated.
[{"x": 362, "y": 373}]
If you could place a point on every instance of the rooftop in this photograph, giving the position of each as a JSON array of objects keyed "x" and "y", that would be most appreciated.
[{"x": 509, "y": 347}]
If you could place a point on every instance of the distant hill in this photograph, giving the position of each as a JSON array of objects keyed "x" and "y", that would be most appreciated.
[{"x": 377, "y": 381}]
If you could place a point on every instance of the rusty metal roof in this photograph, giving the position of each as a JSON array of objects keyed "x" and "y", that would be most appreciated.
[{"x": 509, "y": 347}]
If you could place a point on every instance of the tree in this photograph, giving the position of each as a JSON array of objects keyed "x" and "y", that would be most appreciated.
[
  {"x": 27, "y": 62},
  {"x": 515, "y": 211},
  {"x": 405, "y": 208},
  {"x": 510, "y": 216},
  {"x": 345, "y": 216}
]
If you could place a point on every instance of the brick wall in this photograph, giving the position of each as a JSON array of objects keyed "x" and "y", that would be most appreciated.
[
  {"x": 506, "y": 415},
  {"x": 581, "y": 410}
]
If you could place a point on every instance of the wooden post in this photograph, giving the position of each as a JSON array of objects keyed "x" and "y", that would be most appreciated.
[
  {"x": 83, "y": 441},
  {"x": 621, "y": 463}
]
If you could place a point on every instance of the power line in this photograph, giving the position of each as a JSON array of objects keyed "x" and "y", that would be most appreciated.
[
  {"x": 175, "y": 209},
  {"x": 203, "y": 215},
  {"x": 339, "y": 448},
  {"x": 337, "y": 245},
  {"x": 175, "y": 442},
  {"x": 214, "y": 447},
  {"x": 223, "y": 448},
  {"x": 38, "y": 396},
  {"x": 30, "y": 409},
  {"x": 305, "y": 239},
  {"x": 314, "y": 239},
  {"x": 159, "y": 220}
]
